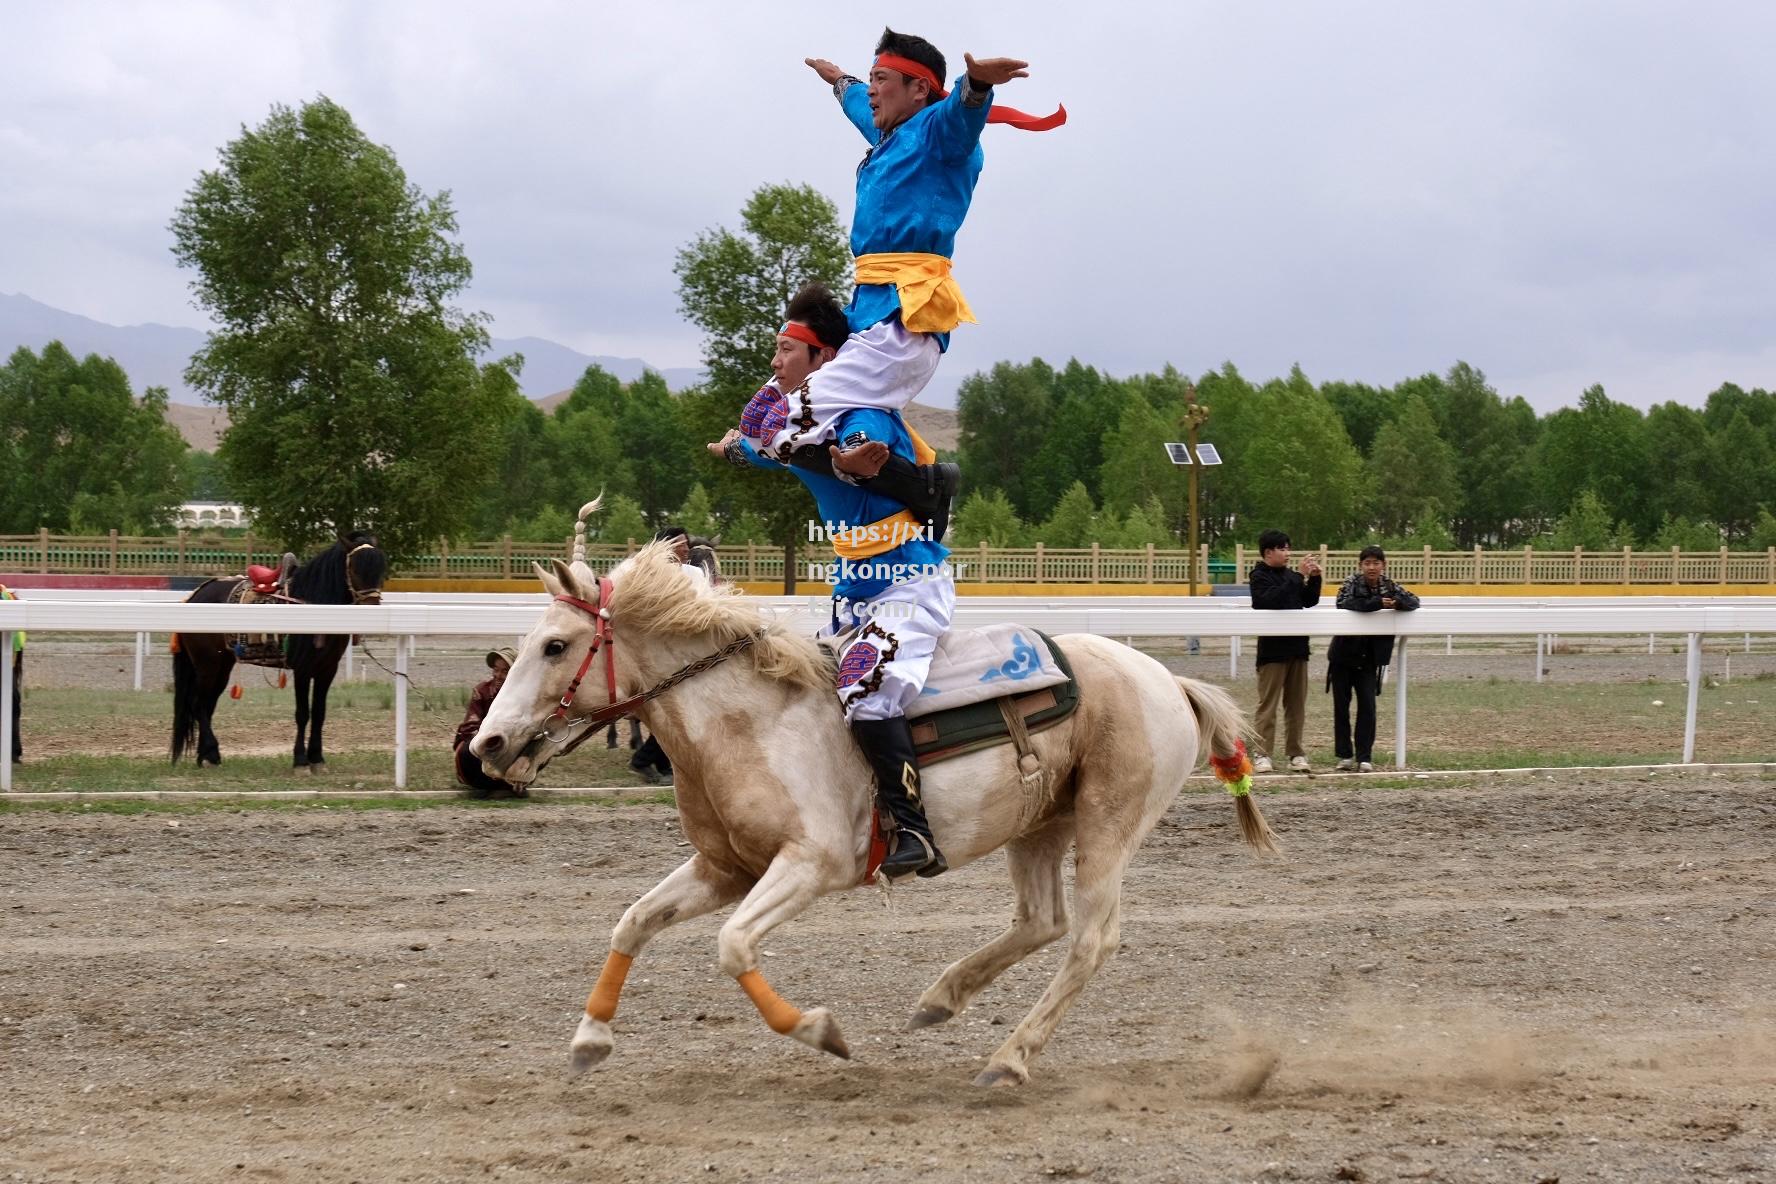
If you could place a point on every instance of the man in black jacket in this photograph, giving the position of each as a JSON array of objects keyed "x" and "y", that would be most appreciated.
[
  {"x": 1354, "y": 664},
  {"x": 1282, "y": 661}
]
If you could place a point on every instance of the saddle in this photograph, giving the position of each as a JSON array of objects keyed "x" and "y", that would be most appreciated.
[
  {"x": 260, "y": 585},
  {"x": 987, "y": 687}
]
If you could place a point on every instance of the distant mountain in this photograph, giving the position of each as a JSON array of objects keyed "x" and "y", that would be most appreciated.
[{"x": 156, "y": 355}]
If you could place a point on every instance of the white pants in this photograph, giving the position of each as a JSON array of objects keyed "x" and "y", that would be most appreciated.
[
  {"x": 883, "y": 667},
  {"x": 884, "y": 367}
]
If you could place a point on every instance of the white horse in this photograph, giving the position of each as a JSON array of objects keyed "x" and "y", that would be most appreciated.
[{"x": 775, "y": 797}]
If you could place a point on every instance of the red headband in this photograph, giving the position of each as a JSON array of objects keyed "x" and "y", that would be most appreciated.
[
  {"x": 998, "y": 114},
  {"x": 802, "y": 333}
]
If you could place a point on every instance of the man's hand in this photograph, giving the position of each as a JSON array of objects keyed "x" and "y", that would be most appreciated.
[
  {"x": 1388, "y": 602},
  {"x": 994, "y": 71},
  {"x": 1310, "y": 567},
  {"x": 721, "y": 445},
  {"x": 863, "y": 461},
  {"x": 828, "y": 72}
]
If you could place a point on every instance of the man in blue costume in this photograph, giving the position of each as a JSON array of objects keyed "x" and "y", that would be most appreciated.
[
  {"x": 914, "y": 187},
  {"x": 893, "y": 592}
]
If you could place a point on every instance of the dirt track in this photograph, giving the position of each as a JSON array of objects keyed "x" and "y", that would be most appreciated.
[{"x": 1507, "y": 981}]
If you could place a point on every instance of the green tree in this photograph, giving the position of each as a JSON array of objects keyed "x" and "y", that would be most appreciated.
[
  {"x": 1136, "y": 469},
  {"x": 1586, "y": 524},
  {"x": 697, "y": 515},
  {"x": 1301, "y": 474},
  {"x": 1086, "y": 408},
  {"x": 1740, "y": 474},
  {"x": 350, "y": 381},
  {"x": 1493, "y": 444},
  {"x": 1005, "y": 417},
  {"x": 1599, "y": 447},
  {"x": 1074, "y": 522},
  {"x": 1763, "y": 531},
  {"x": 1410, "y": 465},
  {"x": 734, "y": 287},
  {"x": 202, "y": 478},
  {"x": 1363, "y": 409},
  {"x": 620, "y": 522},
  {"x": 1686, "y": 535},
  {"x": 1143, "y": 525},
  {"x": 78, "y": 452},
  {"x": 986, "y": 516}
]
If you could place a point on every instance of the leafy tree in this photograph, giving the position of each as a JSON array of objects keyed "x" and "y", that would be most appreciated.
[
  {"x": 1681, "y": 446},
  {"x": 350, "y": 381},
  {"x": 1074, "y": 522},
  {"x": 1741, "y": 473},
  {"x": 1599, "y": 447},
  {"x": 1492, "y": 444},
  {"x": 986, "y": 517},
  {"x": 1410, "y": 465},
  {"x": 1143, "y": 525},
  {"x": 735, "y": 287},
  {"x": 1763, "y": 531},
  {"x": 1686, "y": 535},
  {"x": 202, "y": 478},
  {"x": 1301, "y": 474},
  {"x": 620, "y": 522},
  {"x": 1586, "y": 524},
  {"x": 550, "y": 524},
  {"x": 1362, "y": 408},
  {"x": 1086, "y": 408},
  {"x": 697, "y": 514},
  {"x": 1005, "y": 417},
  {"x": 1136, "y": 470},
  {"x": 78, "y": 452},
  {"x": 1427, "y": 528}
]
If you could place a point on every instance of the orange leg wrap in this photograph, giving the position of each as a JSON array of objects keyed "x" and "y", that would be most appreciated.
[
  {"x": 780, "y": 1016},
  {"x": 602, "y": 1004}
]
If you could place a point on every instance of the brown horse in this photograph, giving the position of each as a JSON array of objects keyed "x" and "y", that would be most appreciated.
[
  {"x": 775, "y": 797},
  {"x": 350, "y": 571}
]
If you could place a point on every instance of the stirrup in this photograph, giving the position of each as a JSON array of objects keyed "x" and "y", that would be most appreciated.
[{"x": 935, "y": 864}]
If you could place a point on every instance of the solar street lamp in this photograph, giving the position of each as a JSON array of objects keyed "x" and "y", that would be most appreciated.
[{"x": 1191, "y": 456}]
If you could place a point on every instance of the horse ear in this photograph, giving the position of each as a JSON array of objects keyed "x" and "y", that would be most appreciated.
[
  {"x": 550, "y": 584},
  {"x": 564, "y": 575},
  {"x": 715, "y": 540}
]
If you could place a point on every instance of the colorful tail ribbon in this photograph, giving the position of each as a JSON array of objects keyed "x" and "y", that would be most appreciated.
[{"x": 1234, "y": 770}]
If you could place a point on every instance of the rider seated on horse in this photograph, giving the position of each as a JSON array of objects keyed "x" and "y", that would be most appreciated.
[{"x": 893, "y": 592}]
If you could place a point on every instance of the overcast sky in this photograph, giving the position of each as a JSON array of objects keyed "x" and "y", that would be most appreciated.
[{"x": 1558, "y": 193}]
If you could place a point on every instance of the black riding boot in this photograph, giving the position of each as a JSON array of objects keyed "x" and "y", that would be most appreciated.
[
  {"x": 888, "y": 745},
  {"x": 926, "y": 490}
]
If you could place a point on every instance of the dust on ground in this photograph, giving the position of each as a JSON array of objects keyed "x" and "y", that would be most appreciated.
[{"x": 1493, "y": 981}]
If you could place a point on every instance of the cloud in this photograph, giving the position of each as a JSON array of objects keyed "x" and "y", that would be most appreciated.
[{"x": 1548, "y": 192}]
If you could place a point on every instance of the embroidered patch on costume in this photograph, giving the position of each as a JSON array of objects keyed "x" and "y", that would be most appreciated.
[
  {"x": 764, "y": 415},
  {"x": 858, "y": 661}
]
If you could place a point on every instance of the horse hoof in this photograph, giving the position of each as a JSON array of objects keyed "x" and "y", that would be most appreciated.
[
  {"x": 591, "y": 1044},
  {"x": 930, "y": 1017},
  {"x": 995, "y": 1076},
  {"x": 818, "y": 1029}
]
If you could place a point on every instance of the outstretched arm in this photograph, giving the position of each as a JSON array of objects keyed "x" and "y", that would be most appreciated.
[
  {"x": 957, "y": 121},
  {"x": 853, "y": 96}
]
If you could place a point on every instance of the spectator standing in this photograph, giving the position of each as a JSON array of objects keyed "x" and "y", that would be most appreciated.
[
  {"x": 1282, "y": 661},
  {"x": 1354, "y": 664}
]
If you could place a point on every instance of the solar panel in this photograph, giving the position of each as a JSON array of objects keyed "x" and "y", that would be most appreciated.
[
  {"x": 1180, "y": 453},
  {"x": 1206, "y": 454}
]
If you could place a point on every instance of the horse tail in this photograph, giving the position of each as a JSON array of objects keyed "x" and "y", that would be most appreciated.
[
  {"x": 586, "y": 511},
  {"x": 185, "y": 695},
  {"x": 1223, "y": 727}
]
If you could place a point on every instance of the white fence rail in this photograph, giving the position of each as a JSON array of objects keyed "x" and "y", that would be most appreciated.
[{"x": 404, "y": 619}]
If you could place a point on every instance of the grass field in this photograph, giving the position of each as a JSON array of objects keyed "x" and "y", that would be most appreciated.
[{"x": 86, "y": 740}]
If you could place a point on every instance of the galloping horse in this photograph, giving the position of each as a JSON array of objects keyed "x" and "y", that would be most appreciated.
[
  {"x": 350, "y": 571},
  {"x": 776, "y": 798}
]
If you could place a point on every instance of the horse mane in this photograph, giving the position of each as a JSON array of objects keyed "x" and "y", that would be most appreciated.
[
  {"x": 656, "y": 594},
  {"x": 321, "y": 580}
]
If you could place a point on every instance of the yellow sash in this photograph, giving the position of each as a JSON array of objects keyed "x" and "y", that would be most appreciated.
[
  {"x": 866, "y": 542},
  {"x": 930, "y": 301}
]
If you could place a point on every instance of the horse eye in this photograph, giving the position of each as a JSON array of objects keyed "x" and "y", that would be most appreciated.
[{"x": 554, "y": 649}]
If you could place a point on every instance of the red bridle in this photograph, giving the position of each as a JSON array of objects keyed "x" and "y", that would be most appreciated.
[{"x": 601, "y": 637}]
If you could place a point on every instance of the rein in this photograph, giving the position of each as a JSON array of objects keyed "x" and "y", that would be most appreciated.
[{"x": 558, "y": 724}]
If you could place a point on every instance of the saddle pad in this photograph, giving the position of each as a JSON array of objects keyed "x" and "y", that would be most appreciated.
[
  {"x": 944, "y": 734},
  {"x": 975, "y": 665}
]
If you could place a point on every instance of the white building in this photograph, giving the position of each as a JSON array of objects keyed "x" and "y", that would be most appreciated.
[{"x": 211, "y": 515}]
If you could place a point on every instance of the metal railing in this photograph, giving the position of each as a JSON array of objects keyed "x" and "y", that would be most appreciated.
[{"x": 205, "y": 554}]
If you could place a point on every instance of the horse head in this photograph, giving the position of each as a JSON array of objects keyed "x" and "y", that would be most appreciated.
[{"x": 366, "y": 567}]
